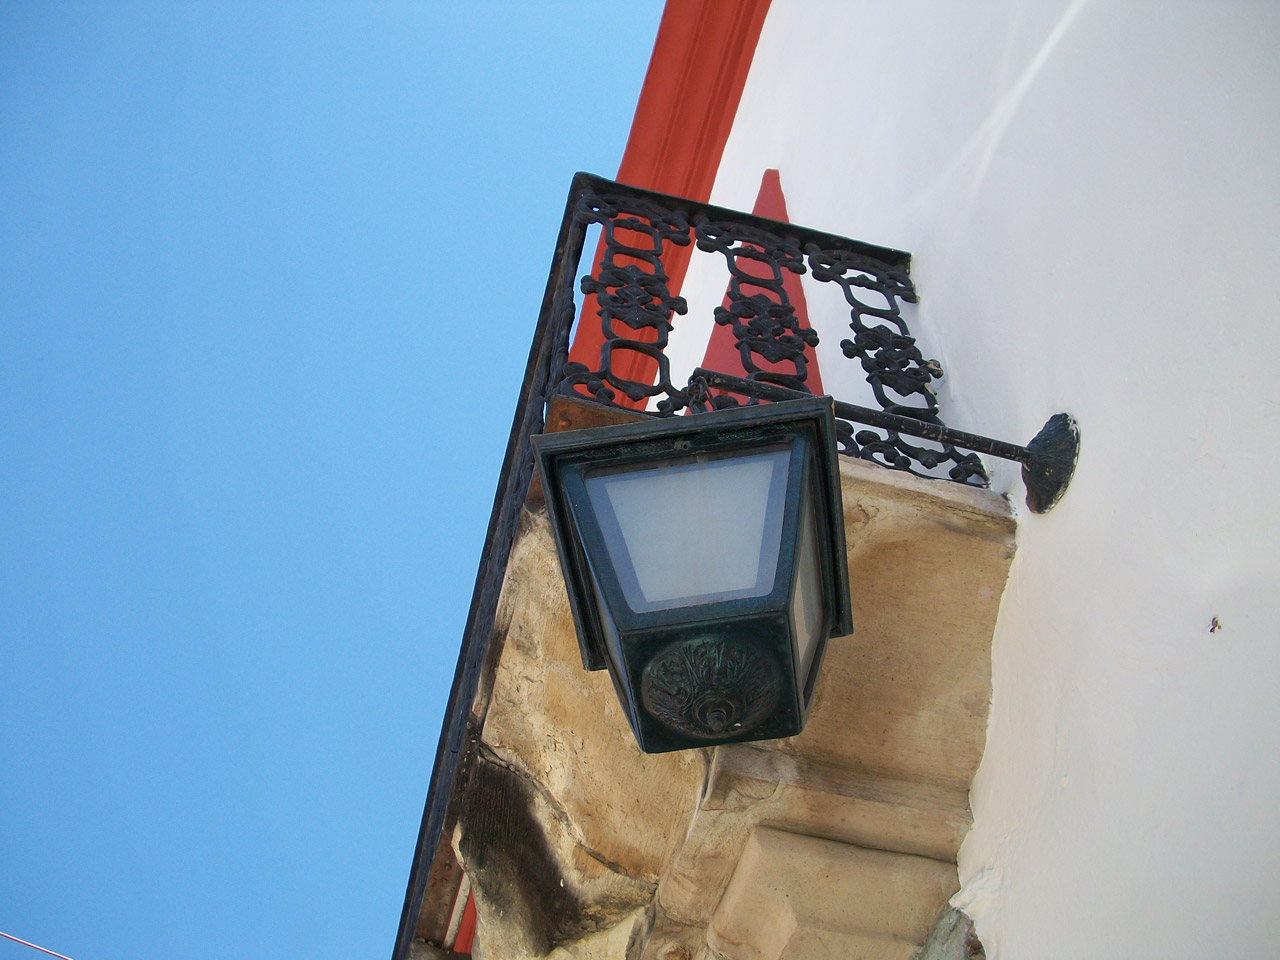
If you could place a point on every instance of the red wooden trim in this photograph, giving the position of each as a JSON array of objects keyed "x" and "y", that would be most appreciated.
[
  {"x": 466, "y": 929},
  {"x": 722, "y": 352},
  {"x": 686, "y": 109},
  {"x": 690, "y": 95}
]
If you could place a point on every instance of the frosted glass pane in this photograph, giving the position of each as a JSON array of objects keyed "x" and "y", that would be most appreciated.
[
  {"x": 687, "y": 531},
  {"x": 613, "y": 649},
  {"x": 808, "y": 615},
  {"x": 612, "y": 643}
]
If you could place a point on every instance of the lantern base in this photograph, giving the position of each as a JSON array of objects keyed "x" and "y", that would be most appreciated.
[
  {"x": 710, "y": 688},
  {"x": 731, "y": 682}
]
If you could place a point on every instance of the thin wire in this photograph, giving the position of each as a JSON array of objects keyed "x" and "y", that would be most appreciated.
[{"x": 33, "y": 946}]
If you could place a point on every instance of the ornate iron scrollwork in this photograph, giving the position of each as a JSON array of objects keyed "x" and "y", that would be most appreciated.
[
  {"x": 635, "y": 307},
  {"x": 764, "y": 325},
  {"x": 899, "y": 375},
  {"x": 631, "y": 289}
]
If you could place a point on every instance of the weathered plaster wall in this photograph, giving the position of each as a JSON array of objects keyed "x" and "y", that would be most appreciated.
[{"x": 1092, "y": 192}]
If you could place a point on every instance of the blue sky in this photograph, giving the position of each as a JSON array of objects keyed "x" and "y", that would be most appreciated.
[{"x": 268, "y": 275}]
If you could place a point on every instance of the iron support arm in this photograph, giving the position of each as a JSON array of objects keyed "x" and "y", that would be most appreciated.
[{"x": 1048, "y": 461}]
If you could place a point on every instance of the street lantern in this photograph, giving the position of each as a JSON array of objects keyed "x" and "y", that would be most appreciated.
[{"x": 705, "y": 563}]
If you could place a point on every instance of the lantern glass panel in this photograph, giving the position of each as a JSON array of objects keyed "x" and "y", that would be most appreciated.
[
  {"x": 608, "y": 629},
  {"x": 808, "y": 612},
  {"x": 613, "y": 650},
  {"x": 693, "y": 530}
]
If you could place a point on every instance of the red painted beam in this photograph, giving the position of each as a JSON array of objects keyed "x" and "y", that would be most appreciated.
[
  {"x": 686, "y": 109},
  {"x": 467, "y": 929}
]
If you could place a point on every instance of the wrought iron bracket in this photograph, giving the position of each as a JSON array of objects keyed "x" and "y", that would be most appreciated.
[
  {"x": 628, "y": 294},
  {"x": 1048, "y": 461}
]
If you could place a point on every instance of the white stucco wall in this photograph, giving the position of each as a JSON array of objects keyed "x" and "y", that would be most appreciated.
[{"x": 1092, "y": 194}]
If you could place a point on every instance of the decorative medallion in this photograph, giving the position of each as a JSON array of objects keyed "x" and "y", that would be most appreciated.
[{"x": 711, "y": 688}]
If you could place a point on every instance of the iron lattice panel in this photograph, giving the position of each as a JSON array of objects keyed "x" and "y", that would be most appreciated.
[{"x": 629, "y": 295}]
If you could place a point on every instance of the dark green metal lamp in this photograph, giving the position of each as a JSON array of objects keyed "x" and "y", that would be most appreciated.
[{"x": 704, "y": 557}]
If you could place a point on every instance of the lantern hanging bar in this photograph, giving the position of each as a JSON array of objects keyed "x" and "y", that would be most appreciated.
[{"x": 1048, "y": 461}]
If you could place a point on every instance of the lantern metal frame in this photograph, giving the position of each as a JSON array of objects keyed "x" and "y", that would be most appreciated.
[{"x": 747, "y": 644}]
